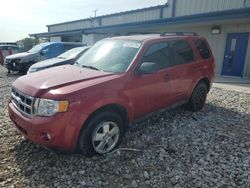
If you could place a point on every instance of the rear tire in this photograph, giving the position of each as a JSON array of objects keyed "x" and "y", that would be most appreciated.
[
  {"x": 198, "y": 97},
  {"x": 101, "y": 134}
]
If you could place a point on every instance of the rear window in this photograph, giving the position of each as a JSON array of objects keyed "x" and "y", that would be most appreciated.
[
  {"x": 183, "y": 52},
  {"x": 203, "y": 49}
]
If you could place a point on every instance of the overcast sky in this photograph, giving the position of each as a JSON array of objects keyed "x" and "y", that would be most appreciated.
[{"x": 18, "y": 18}]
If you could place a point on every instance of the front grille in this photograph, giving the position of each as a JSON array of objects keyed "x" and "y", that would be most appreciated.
[{"x": 22, "y": 101}]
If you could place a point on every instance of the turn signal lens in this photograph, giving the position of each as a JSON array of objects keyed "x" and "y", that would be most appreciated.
[{"x": 63, "y": 106}]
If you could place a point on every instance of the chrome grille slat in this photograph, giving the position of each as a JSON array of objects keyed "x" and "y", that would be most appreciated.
[{"x": 22, "y": 102}]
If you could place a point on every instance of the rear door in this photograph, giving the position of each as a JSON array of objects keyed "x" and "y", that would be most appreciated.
[
  {"x": 205, "y": 61},
  {"x": 182, "y": 70}
]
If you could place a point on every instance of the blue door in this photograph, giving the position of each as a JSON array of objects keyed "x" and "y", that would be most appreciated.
[{"x": 235, "y": 54}]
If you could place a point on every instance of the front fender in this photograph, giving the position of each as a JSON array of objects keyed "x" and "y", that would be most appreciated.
[{"x": 96, "y": 101}]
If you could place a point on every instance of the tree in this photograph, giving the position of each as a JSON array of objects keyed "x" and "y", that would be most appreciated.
[{"x": 26, "y": 44}]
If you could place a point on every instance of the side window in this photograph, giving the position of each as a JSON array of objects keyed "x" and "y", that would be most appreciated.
[
  {"x": 57, "y": 49},
  {"x": 183, "y": 52},
  {"x": 158, "y": 53},
  {"x": 203, "y": 49}
]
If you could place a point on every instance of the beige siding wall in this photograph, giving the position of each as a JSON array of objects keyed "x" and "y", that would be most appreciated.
[
  {"x": 55, "y": 39},
  {"x": 90, "y": 39}
]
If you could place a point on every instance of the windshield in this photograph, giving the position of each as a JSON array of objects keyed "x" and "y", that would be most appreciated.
[
  {"x": 37, "y": 48},
  {"x": 110, "y": 55},
  {"x": 70, "y": 54}
]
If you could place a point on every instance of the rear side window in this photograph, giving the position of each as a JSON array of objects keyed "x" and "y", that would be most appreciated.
[
  {"x": 203, "y": 49},
  {"x": 182, "y": 51},
  {"x": 158, "y": 53}
]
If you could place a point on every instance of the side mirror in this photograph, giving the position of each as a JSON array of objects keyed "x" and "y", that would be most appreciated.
[
  {"x": 43, "y": 52},
  {"x": 147, "y": 68}
]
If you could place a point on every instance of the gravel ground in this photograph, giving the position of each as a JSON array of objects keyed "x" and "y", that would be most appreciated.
[{"x": 177, "y": 148}]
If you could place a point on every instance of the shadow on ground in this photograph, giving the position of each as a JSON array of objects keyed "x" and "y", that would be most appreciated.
[{"x": 184, "y": 137}]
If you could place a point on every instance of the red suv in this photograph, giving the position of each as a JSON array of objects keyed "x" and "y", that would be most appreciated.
[{"x": 88, "y": 105}]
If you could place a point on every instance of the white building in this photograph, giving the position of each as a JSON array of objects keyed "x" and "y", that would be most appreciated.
[{"x": 225, "y": 24}]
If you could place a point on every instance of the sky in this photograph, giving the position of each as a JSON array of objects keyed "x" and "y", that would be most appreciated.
[{"x": 18, "y": 18}]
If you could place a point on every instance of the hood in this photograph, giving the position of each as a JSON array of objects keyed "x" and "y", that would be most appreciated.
[
  {"x": 19, "y": 55},
  {"x": 40, "y": 82},
  {"x": 48, "y": 63}
]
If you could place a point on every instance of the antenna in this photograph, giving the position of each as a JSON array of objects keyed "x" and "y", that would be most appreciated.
[{"x": 95, "y": 11}]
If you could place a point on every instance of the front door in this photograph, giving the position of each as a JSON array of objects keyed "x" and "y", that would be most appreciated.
[
  {"x": 150, "y": 92},
  {"x": 235, "y": 54}
]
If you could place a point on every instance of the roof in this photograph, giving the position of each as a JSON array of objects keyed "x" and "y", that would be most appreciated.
[
  {"x": 145, "y": 37},
  {"x": 113, "y": 14},
  {"x": 242, "y": 13}
]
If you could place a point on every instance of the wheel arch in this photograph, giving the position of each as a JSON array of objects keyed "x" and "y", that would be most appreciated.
[
  {"x": 206, "y": 81},
  {"x": 116, "y": 108}
]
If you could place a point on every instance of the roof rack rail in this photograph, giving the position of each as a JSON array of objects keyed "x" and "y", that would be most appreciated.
[
  {"x": 143, "y": 33},
  {"x": 163, "y": 33},
  {"x": 179, "y": 33}
]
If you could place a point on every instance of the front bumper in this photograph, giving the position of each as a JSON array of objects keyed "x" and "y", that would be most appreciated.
[
  {"x": 64, "y": 128},
  {"x": 13, "y": 66}
]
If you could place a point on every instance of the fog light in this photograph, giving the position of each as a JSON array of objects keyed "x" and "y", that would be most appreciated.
[{"x": 46, "y": 136}]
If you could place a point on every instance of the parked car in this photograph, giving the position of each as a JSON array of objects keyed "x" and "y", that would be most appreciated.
[
  {"x": 7, "y": 48},
  {"x": 89, "y": 105},
  {"x": 22, "y": 61},
  {"x": 68, "y": 57}
]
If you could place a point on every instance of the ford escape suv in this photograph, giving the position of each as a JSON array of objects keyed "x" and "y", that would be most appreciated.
[{"x": 88, "y": 106}]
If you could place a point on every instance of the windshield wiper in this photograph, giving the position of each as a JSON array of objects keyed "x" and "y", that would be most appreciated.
[
  {"x": 89, "y": 67},
  {"x": 86, "y": 66}
]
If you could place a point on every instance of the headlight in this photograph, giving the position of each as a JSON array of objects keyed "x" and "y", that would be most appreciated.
[
  {"x": 31, "y": 70},
  {"x": 46, "y": 107}
]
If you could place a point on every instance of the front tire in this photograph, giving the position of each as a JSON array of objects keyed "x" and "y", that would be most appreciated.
[
  {"x": 101, "y": 134},
  {"x": 198, "y": 97}
]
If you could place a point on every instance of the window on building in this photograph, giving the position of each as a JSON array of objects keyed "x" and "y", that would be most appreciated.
[
  {"x": 182, "y": 51},
  {"x": 158, "y": 53},
  {"x": 203, "y": 49}
]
